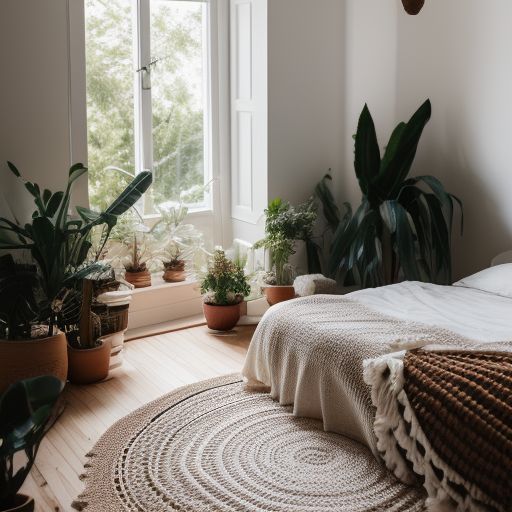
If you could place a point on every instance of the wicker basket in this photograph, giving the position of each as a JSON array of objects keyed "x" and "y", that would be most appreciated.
[{"x": 112, "y": 318}]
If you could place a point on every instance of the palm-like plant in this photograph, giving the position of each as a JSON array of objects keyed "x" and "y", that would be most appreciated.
[
  {"x": 58, "y": 243},
  {"x": 402, "y": 229}
]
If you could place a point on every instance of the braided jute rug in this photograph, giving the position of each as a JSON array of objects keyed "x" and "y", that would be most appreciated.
[{"x": 213, "y": 446}]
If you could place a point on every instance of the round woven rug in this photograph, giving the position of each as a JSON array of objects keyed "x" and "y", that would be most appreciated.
[{"x": 214, "y": 446}]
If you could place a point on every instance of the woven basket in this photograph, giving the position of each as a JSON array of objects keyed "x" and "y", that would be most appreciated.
[{"x": 112, "y": 318}]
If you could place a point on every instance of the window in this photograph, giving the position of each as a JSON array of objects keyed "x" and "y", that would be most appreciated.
[{"x": 148, "y": 107}]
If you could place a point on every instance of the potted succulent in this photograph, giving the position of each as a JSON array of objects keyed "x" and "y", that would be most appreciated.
[
  {"x": 180, "y": 242},
  {"x": 224, "y": 287},
  {"x": 33, "y": 343},
  {"x": 284, "y": 225},
  {"x": 27, "y": 410}
]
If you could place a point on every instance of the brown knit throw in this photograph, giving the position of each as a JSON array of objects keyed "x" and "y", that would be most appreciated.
[{"x": 463, "y": 404}]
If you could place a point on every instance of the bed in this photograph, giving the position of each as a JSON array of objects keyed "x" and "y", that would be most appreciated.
[{"x": 309, "y": 352}]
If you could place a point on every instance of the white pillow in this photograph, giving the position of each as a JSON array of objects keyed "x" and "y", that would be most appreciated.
[{"x": 496, "y": 280}]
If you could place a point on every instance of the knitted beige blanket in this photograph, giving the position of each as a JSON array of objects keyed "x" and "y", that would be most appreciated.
[{"x": 309, "y": 352}]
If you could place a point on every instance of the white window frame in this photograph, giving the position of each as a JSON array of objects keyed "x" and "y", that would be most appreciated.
[
  {"x": 216, "y": 217},
  {"x": 143, "y": 115}
]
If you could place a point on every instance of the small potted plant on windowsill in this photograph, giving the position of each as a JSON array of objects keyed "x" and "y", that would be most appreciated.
[
  {"x": 180, "y": 242},
  {"x": 27, "y": 410},
  {"x": 284, "y": 225},
  {"x": 132, "y": 248},
  {"x": 174, "y": 267},
  {"x": 136, "y": 265},
  {"x": 224, "y": 287}
]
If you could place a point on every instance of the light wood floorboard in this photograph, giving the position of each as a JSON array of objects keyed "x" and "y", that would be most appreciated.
[{"x": 152, "y": 367}]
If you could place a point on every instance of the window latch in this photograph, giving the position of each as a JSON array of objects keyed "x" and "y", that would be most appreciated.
[{"x": 146, "y": 75}]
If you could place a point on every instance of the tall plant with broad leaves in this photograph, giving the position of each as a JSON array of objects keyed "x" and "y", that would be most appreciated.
[
  {"x": 27, "y": 410},
  {"x": 60, "y": 243},
  {"x": 402, "y": 229}
]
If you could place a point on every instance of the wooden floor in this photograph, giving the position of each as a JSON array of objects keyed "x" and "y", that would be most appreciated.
[{"x": 152, "y": 367}]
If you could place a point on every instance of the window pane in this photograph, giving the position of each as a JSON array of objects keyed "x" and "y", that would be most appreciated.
[
  {"x": 110, "y": 97},
  {"x": 178, "y": 100}
]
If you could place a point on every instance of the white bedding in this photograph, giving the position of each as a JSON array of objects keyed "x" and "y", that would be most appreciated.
[
  {"x": 310, "y": 351},
  {"x": 474, "y": 314}
]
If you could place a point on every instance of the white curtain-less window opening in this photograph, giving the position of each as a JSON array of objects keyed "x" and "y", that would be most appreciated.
[{"x": 149, "y": 69}]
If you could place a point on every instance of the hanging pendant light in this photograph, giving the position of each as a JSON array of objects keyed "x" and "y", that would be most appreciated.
[{"x": 413, "y": 6}]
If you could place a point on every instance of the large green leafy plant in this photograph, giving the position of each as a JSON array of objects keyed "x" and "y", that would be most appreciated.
[
  {"x": 402, "y": 229},
  {"x": 59, "y": 243},
  {"x": 284, "y": 225},
  {"x": 26, "y": 413},
  {"x": 224, "y": 282}
]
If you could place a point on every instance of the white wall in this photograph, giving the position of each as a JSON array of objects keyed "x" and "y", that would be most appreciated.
[
  {"x": 370, "y": 45},
  {"x": 34, "y": 122},
  {"x": 458, "y": 54},
  {"x": 305, "y": 95}
]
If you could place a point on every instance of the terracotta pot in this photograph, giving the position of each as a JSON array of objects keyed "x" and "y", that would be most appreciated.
[
  {"x": 31, "y": 358},
  {"x": 174, "y": 276},
  {"x": 221, "y": 318},
  {"x": 89, "y": 365},
  {"x": 276, "y": 294},
  {"x": 22, "y": 503},
  {"x": 138, "y": 279}
]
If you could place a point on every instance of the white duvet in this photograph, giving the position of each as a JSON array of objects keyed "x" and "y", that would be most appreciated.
[{"x": 474, "y": 314}]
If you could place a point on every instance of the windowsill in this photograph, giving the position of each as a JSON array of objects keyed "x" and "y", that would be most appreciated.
[
  {"x": 158, "y": 283},
  {"x": 164, "y": 302}
]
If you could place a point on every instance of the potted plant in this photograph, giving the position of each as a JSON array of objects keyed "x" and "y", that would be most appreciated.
[
  {"x": 88, "y": 354},
  {"x": 59, "y": 246},
  {"x": 284, "y": 225},
  {"x": 174, "y": 266},
  {"x": 136, "y": 264},
  {"x": 402, "y": 229},
  {"x": 224, "y": 287},
  {"x": 132, "y": 248},
  {"x": 27, "y": 410},
  {"x": 180, "y": 242}
]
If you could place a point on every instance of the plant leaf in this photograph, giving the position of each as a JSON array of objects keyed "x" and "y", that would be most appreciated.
[
  {"x": 131, "y": 194},
  {"x": 391, "y": 176},
  {"x": 14, "y": 170},
  {"x": 367, "y": 153},
  {"x": 404, "y": 240},
  {"x": 53, "y": 204},
  {"x": 75, "y": 172}
]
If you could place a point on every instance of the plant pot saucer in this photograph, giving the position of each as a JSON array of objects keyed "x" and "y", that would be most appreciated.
[{"x": 213, "y": 332}]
